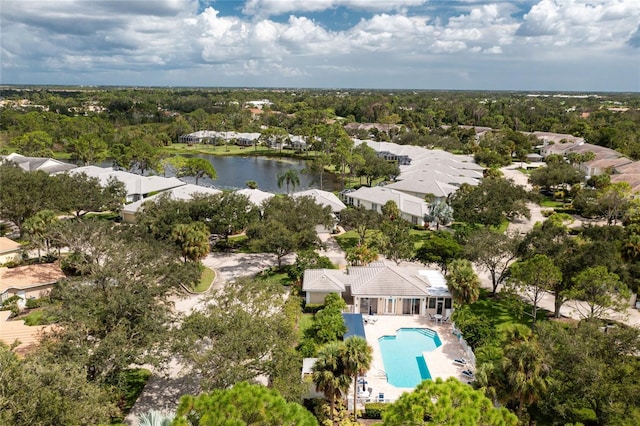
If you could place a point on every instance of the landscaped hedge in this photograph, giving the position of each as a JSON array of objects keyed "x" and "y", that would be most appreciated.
[
  {"x": 374, "y": 410},
  {"x": 312, "y": 308}
]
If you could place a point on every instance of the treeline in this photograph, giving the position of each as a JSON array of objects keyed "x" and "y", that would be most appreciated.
[{"x": 161, "y": 115}]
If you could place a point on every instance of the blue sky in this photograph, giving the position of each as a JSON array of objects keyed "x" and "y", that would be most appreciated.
[{"x": 555, "y": 45}]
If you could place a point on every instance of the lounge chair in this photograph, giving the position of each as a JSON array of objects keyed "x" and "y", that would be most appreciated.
[
  {"x": 469, "y": 374},
  {"x": 381, "y": 397},
  {"x": 461, "y": 361}
]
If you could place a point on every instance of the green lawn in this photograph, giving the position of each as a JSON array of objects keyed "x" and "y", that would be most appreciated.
[
  {"x": 347, "y": 240},
  {"x": 503, "y": 313},
  {"x": 206, "y": 278},
  {"x": 551, "y": 203},
  {"x": 136, "y": 380},
  {"x": 230, "y": 149},
  {"x": 304, "y": 323}
]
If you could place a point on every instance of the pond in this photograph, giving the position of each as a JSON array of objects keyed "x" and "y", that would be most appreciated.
[{"x": 234, "y": 171}]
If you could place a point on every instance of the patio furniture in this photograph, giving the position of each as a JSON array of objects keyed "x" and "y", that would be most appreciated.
[
  {"x": 381, "y": 397},
  {"x": 460, "y": 361},
  {"x": 431, "y": 317},
  {"x": 469, "y": 374}
]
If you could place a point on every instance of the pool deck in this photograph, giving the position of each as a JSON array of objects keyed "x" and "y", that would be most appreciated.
[{"x": 439, "y": 361}]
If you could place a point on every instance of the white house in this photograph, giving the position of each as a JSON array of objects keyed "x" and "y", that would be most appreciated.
[
  {"x": 184, "y": 192},
  {"x": 31, "y": 164},
  {"x": 412, "y": 208},
  {"x": 136, "y": 186},
  {"x": 381, "y": 289},
  {"x": 10, "y": 251}
]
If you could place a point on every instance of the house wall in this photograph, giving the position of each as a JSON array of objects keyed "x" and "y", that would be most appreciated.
[
  {"x": 316, "y": 298},
  {"x": 128, "y": 217},
  {"x": 29, "y": 293},
  {"x": 12, "y": 256}
]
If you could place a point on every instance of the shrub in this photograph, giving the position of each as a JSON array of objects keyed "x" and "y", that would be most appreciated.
[
  {"x": 374, "y": 410},
  {"x": 33, "y": 303},
  {"x": 312, "y": 308}
]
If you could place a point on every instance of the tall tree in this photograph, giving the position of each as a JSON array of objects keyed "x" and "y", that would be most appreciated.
[
  {"x": 494, "y": 252},
  {"x": 117, "y": 313},
  {"x": 329, "y": 375},
  {"x": 447, "y": 402},
  {"x": 192, "y": 239},
  {"x": 395, "y": 239},
  {"x": 440, "y": 248},
  {"x": 198, "y": 168},
  {"x": 234, "y": 337},
  {"x": 601, "y": 290},
  {"x": 39, "y": 229},
  {"x": 23, "y": 193},
  {"x": 462, "y": 281},
  {"x": 490, "y": 203},
  {"x": 81, "y": 194},
  {"x": 360, "y": 219},
  {"x": 357, "y": 357},
  {"x": 533, "y": 277},
  {"x": 34, "y": 391},
  {"x": 290, "y": 178},
  {"x": 242, "y": 404}
]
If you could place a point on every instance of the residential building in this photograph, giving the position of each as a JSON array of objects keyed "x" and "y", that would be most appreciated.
[
  {"x": 29, "y": 282},
  {"x": 32, "y": 164},
  {"x": 412, "y": 208},
  {"x": 381, "y": 289},
  {"x": 10, "y": 251}
]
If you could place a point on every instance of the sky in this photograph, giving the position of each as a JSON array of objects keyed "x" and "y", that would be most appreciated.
[{"x": 528, "y": 45}]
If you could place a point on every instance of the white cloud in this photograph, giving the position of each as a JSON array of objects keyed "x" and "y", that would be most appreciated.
[
  {"x": 108, "y": 39},
  {"x": 265, "y": 8}
]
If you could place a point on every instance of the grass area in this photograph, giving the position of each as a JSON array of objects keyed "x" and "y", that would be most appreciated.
[
  {"x": 230, "y": 149},
  {"x": 551, "y": 203},
  {"x": 304, "y": 322},
  {"x": 38, "y": 317},
  {"x": 347, "y": 240},
  {"x": 504, "y": 313},
  {"x": 136, "y": 379},
  {"x": 206, "y": 278},
  {"x": 276, "y": 274}
]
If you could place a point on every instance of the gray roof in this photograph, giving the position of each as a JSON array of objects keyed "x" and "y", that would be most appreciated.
[
  {"x": 32, "y": 164},
  {"x": 134, "y": 184},
  {"x": 424, "y": 186},
  {"x": 184, "y": 192},
  {"x": 256, "y": 196},
  {"x": 324, "y": 198},
  {"x": 377, "y": 280},
  {"x": 407, "y": 204}
]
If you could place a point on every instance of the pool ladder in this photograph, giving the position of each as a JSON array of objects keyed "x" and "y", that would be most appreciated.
[{"x": 381, "y": 372}]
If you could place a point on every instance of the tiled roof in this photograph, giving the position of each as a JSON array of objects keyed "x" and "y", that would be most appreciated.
[
  {"x": 24, "y": 277},
  {"x": 407, "y": 204},
  {"x": 324, "y": 198},
  {"x": 184, "y": 192},
  {"x": 7, "y": 245},
  {"x": 28, "y": 336},
  {"x": 377, "y": 279}
]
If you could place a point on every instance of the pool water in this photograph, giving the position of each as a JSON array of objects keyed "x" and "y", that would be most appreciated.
[{"x": 402, "y": 355}]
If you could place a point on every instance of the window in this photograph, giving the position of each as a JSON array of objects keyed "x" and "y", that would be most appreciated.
[{"x": 432, "y": 303}]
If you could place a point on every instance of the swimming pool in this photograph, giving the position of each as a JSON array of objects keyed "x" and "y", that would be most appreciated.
[{"x": 402, "y": 355}]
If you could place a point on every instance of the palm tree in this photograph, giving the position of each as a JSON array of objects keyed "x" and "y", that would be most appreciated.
[
  {"x": 525, "y": 371},
  {"x": 462, "y": 281},
  {"x": 328, "y": 373},
  {"x": 290, "y": 177},
  {"x": 38, "y": 229},
  {"x": 357, "y": 356},
  {"x": 440, "y": 213}
]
